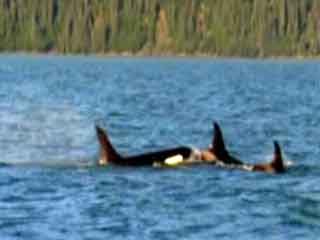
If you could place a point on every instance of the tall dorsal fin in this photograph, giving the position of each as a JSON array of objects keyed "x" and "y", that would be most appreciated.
[
  {"x": 218, "y": 146},
  {"x": 277, "y": 162},
  {"x": 107, "y": 151}
]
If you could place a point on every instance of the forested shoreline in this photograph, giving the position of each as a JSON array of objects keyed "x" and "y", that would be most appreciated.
[{"x": 243, "y": 28}]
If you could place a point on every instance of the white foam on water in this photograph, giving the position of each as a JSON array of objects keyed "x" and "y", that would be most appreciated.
[{"x": 43, "y": 134}]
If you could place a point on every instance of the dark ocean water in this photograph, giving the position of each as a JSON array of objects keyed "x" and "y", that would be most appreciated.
[{"x": 50, "y": 187}]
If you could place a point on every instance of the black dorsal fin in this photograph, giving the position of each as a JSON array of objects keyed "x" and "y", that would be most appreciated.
[
  {"x": 218, "y": 146},
  {"x": 107, "y": 151},
  {"x": 277, "y": 162}
]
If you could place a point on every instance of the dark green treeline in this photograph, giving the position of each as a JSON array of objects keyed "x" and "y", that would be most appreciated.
[{"x": 214, "y": 27}]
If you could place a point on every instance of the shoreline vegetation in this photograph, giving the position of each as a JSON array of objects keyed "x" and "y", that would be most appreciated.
[
  {"x": 164, "y": 28},
  {"x": 128, "y": 55}
]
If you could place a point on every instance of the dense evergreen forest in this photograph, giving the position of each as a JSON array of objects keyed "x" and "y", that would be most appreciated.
[{"x": 252, "y": 28}]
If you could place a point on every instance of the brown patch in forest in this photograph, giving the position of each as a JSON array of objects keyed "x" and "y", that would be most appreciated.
[{"x": 162, "y": 33}]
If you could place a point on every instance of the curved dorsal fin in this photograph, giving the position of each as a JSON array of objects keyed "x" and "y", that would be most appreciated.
[
  {"x": 218, "y": 146},
  {"x": 277, "y": 162},
  {"x": 107, "y": 151}
]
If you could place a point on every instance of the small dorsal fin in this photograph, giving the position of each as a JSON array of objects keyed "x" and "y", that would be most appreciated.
[
  {"x": 107, "y": 151},
  {"x": 218, "y": 146},
  {"x": 277, "y": 162}
]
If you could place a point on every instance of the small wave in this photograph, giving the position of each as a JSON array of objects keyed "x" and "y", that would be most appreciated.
[
  {"x": 3, "y": 165},
  {"x": 5, "y": 68},
  {"x": 52, "y": 163},
  {"x": 289, "y": 163}
]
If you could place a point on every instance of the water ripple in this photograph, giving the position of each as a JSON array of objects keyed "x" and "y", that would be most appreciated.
[{"x": 50, "y": 188}]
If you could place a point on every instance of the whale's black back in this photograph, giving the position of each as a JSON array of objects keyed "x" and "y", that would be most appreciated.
[
  {"x": 151, "y": 158},
  {"x": 108, "y": 153}
]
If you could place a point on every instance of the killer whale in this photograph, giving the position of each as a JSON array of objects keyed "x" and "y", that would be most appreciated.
[
  {"x": 217, "y": 151},
  {"x": 275, "y": 166},
  {"x": 167, "y": 157},
  {"x": 218, "y": 154}
]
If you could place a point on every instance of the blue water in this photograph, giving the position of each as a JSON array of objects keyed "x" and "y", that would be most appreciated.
[{"x": 51, "y": 189}]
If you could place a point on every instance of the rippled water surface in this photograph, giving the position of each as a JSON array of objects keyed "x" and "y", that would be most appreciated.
[{"x": 51, "y": 189}]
